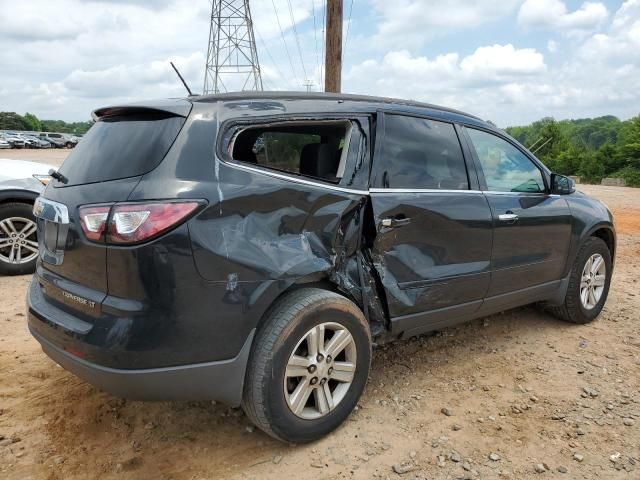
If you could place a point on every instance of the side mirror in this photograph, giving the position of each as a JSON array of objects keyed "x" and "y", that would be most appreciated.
[{"x": 561, "y": 185}]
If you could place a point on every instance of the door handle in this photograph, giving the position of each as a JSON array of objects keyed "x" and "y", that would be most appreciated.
[
  {"x": 508, "y": 217},
  {"x": 395, "y": 222}
]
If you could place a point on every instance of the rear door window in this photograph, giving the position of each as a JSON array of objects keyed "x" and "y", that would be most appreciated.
[
  {"x": 121, "y": 146},
  {"x": 419, "y": 153},
  {"x": 313, "y": 149}
]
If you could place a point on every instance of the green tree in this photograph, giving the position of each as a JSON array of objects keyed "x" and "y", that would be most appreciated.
[
  {"x": 589, "y": 147},
  {"x": 12, "y": 121},
  {"x": 591, "y": 169},
  {"x": 64, "y": 127},
  {"x": 607, "y": 156},
  {"x": 32, "y": 121},
  {"x": 568, "y": 161},
  {"x": 629, "y": 143}
]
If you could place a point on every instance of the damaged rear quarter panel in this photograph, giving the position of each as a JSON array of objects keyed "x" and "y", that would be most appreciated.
[{"x": 267, "y": 228}]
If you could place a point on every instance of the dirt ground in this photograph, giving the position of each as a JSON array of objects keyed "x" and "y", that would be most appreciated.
[
  {"x": 52, "y": 156},
  {"x": 523, "y": 391}
]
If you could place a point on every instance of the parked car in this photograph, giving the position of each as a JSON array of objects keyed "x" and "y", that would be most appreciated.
[
  {"x": 4, "y": 144},
  {"x": 35, "y": 142},
  {"x": 57, "y": 140},
  {"x": 179, "y": 261},
  {"x": 14, "y": 140},
  {"x": 20, "y": 184},
  {"x": 72, "y": 140},
  {"x": 28, "y": 141}
]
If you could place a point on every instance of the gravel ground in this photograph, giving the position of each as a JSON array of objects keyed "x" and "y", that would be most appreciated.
[{"x": 516, "y": 395}]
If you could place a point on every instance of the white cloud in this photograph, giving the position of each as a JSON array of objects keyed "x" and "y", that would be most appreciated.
[
  {"x": 552, "y": 46},
  {"x": 554, "y": 14},
  {"x": 130, "y": 80},
  {"x": 21, "y": 22},
  {"x": 413, "y": 22},
  {"x": 499, "y": 62},
  {"x": 620, "y": 43},
  {"x": 448, "y": 79}
]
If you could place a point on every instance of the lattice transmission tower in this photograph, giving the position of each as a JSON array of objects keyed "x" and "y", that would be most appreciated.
[{"x": 232, "y": 58}]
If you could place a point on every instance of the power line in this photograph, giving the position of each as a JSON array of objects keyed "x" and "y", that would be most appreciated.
[
  {"x": 293, "y": 70},
  {"x": 295, "y": 33},
  {"x": 266, "y": 49},
  {"x": 346, "y": 39},
  {"x": 315, "y": 32},
  {"x": 324, "y": 40}
]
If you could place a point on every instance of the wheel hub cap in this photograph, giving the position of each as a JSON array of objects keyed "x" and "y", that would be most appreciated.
[
  {"x": 320, "y": 370},
  {"x": 592, "y": 281}
]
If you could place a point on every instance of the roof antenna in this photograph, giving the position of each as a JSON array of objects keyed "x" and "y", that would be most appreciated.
[{"x": 182, "y": 79}]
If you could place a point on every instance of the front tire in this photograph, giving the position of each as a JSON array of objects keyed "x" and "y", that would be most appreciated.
[
  {"x": 589, "y": 283},
  {"x": 308, "y": 367}
]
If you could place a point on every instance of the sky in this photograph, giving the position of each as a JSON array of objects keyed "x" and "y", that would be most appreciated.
[{"x": 508, "y": 61}]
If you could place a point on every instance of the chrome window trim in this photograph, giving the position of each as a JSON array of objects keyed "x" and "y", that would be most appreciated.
[
  {"x": 420, "y": 190},
  {"x": 336, "y": 188},
  {"x": 291, "y": 178},
  {"x": 525, "y": 194}
]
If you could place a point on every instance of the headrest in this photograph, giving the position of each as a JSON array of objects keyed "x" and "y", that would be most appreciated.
[{"x": 319, "y": 160}]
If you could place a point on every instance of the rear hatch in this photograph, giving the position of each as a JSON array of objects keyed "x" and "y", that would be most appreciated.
[{"x": 123, "y": 144}]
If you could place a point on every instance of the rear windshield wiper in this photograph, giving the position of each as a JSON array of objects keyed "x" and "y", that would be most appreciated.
[{"x": 56, "y": 175}]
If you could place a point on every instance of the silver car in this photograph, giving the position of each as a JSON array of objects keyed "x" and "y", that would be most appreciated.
[{"x": 20, "y": 184}]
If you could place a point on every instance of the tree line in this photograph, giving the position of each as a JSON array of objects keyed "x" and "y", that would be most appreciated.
[
  {"x": 591, "y": 148},
  {"x": 28, "y": 121}
]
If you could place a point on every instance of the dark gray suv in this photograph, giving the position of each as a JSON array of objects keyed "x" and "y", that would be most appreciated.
[{"x": 250, "y": 248}]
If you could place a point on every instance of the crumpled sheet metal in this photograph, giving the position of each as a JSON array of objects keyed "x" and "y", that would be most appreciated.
[{"x": 256, "y": 243}]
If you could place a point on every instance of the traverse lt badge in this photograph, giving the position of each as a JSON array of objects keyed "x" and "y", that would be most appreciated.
[{"x": 78, "y": 299}]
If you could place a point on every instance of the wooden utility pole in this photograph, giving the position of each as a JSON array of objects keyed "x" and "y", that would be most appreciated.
[{"x": 333, "y": 49}]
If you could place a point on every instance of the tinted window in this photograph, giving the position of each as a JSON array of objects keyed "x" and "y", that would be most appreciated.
[
  {"x": 420, "y": 153},
  {"x": 505, "y": 168},
  {"x": 121, "y": 146}
]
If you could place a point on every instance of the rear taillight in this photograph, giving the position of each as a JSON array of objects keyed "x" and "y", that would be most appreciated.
[
  {"x": 135, "y": 222},
  {"x": 130, "y": 223},
  {"x": 94, "y": 221}
]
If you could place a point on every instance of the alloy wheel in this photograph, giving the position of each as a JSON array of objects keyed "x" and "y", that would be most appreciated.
[
  {"x": 320, "y": 370},
  {"x": 18, "y": 242},
  {"x": 592, "y": 281}
]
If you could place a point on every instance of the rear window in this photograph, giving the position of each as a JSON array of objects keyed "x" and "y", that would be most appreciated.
[{"x": 121, "y": 146}]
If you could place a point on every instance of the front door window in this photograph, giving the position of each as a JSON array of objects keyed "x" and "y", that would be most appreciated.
[{"x": 505, "y": 168}]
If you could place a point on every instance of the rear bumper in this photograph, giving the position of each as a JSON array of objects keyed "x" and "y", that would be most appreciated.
[
  {"x": 222, "y": 381},
  {"x": 63, "y": 338}
]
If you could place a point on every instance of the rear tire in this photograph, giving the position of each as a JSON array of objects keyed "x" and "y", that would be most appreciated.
[
  {"x": 292, "y": 392},
  {"x": 18, "y": 255},
  {"x": 588, "y": 289}
]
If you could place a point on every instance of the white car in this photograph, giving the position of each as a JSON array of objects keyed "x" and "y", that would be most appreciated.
[
  {"x": 4, "y": 143},
  {"x": 21, "y": 182},
  {"x": 14, "y": 140}
]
